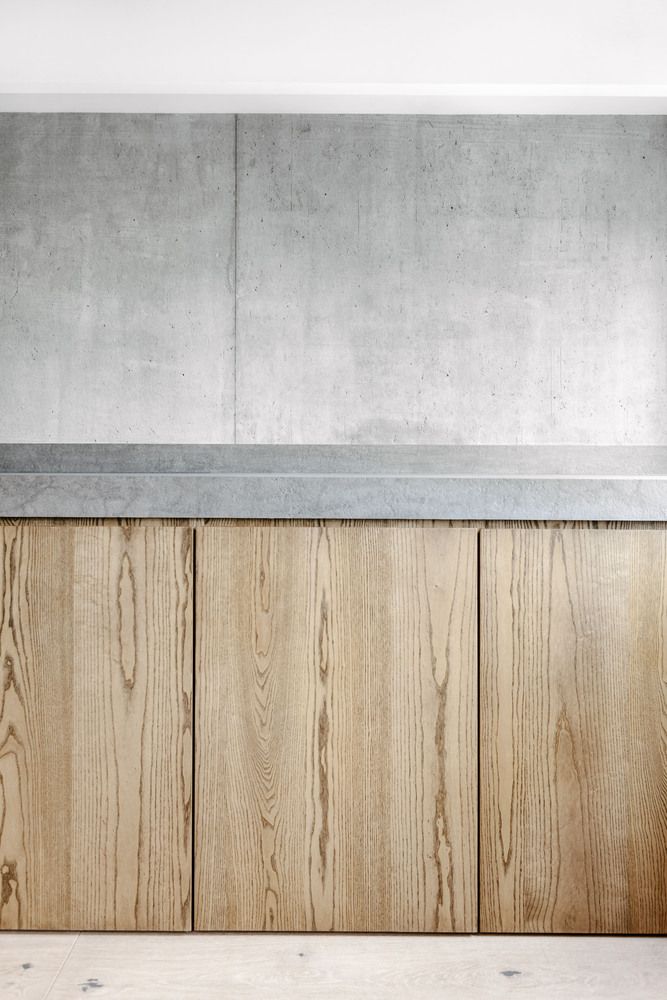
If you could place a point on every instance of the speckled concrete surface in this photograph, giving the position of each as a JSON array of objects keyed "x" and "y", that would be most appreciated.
[
  {"x": 117, "y": 277},
  {"x": 480, "y": 280},
  {"x": 346, "y": 279}
]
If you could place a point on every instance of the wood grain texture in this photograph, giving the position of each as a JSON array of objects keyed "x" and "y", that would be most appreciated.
[
  {"x": 200, "y": 522},
  {"x": 573, "y": 738},
  {"x": 336, "y": 728},
  {"x": 95, "y": 727}
]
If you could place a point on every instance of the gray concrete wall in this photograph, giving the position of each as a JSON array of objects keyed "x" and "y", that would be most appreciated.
[
  {"x": 116, "y": 278},
  {"x": 475, "y": 280}
]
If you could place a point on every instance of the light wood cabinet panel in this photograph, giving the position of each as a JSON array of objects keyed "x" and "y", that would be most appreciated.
[
  {"x": 336, "y": 724},
  {"x": 95, "y": 727},
  {"x": 573, "y": 738}
]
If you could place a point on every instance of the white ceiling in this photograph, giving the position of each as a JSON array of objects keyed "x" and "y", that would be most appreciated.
[{"x": 334, "y": 55}]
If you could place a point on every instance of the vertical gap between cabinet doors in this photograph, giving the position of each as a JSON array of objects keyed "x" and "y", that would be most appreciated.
[
  {"x": 478, "y": 657},
  {"x": 193, "y": 777}
]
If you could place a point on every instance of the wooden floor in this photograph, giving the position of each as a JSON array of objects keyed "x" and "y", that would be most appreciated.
[{"x": 217, "y": 967}]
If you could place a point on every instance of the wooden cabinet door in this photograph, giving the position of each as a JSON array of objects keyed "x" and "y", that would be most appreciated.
[
  {"x": 95, "y": 727},
  {"x": 573, "y": 737},
  {"x": 336, "y": 724}
]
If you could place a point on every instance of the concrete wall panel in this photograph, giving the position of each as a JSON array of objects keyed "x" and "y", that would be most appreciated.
[
  {"x": 116, "y": 278},
  {"x": 481, "y": 280}
]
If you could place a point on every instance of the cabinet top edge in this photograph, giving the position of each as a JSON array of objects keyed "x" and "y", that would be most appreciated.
[
  {"x": 393, "y": 482},
  {"x": 331, "y": 461}
]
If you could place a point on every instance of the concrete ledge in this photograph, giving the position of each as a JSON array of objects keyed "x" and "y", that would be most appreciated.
[{"x": 531, "y": 483}]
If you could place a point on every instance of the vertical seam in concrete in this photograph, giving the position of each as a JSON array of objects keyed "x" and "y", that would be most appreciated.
[{"x": 236, "y": 215}]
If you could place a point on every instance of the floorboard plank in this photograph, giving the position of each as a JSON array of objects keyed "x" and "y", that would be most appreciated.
[
  {"x": 30, "y": 963},
  {"x": 320, "y": 967}
]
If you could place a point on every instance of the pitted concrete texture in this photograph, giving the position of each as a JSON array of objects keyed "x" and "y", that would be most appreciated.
[
  {"x": 480, "y": 280},
  {"x": 116, "y": 277},
  {"x": 333, "y": 279}
]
